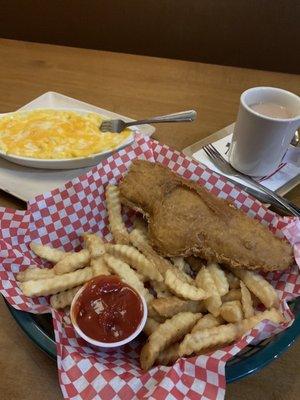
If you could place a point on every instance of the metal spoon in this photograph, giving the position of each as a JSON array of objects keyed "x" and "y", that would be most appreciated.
[{"x": 296, "y": 139}]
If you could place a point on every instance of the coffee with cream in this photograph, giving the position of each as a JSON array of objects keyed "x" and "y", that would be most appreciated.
[
  {"x": 267, "y": 121},
  {"x": 272, "y": 110}
]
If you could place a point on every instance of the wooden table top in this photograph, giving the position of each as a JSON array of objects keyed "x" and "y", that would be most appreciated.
[{"x": 136, "y": 86}]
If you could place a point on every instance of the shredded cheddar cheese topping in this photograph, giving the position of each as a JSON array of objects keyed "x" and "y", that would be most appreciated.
[{"x": 56, "y": 134}]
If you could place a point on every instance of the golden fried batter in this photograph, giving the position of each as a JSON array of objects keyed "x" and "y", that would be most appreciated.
[{"x": 185, "y": 219}]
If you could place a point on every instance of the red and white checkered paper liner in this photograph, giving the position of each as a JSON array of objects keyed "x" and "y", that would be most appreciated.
[{"x": 59, "y": 217}]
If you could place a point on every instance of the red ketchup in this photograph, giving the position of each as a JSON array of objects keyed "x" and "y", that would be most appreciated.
[{"x": 108, "y": 310}]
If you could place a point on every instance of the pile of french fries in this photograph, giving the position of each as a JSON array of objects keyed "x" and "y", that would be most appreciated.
[{"x": 192, "y": 307}]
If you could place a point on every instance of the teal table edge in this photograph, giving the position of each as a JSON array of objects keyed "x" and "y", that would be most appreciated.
[{"x": 234, "y": 371}]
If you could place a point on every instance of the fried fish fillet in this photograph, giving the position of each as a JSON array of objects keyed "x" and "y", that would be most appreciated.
[{"x": 185, "y": 219}]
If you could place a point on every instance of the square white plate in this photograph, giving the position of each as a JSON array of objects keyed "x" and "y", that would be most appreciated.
[{"x": 26, "y": 183}]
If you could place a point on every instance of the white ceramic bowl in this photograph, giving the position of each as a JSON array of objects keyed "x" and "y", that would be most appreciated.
[
  {"x": 65, "y": 163},
  {"x": 98, "y": 343}
]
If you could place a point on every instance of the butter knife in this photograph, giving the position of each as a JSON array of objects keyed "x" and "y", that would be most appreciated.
[{"x": 263, "y": 197}]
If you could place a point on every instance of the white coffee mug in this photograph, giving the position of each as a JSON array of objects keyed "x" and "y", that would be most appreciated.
[{"x": 260, "y": 143}]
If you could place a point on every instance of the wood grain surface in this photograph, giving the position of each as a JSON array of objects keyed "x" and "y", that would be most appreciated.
[{"x": 136, "y": 86}]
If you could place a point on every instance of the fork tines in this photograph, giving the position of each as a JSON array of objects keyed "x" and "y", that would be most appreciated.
[
  {"x": 105, "y": 126},
  {"x": 212, "y": 152}
]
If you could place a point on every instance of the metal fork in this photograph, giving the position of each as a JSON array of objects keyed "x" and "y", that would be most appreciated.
[
  {"x": 226, "y": 168},
  {"x": 117, "y": 125}
]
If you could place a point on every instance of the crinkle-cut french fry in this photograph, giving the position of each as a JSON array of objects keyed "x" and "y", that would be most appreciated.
[
  {"x": 195, "y": 263},
  {"x": 94, "y": 244},
  {"x": 34, "y": 274},
  {"x": 205, "y": 281},
  {"x": 99, "y": 266},
  {"x": 223, "y": 334},
  {"x": 160, "y": 289},
  {"x": 233, "y": 294},
  {"x": 247, "y": 304},
  {"x": 274, "y": 315},
  {"x": 213, "y": 304},
  {"x": 150, "y": 326},
  {"x": 182, "y": 276},
  {"x": 205, "y": 338},
  {"x": 139, "y": 235},
  {"x": 135, "y": 259},
  {"x": 154, "y": 314},
  {"x": 140, "y": 242},
  {"x": 170, "y": 306},
  {"x": 58, "y": 283},
  {"x": 72, "y": 262},
  {"x": 182, "y": 265},
  {"x": 194, "y": 306},
  {"x": 169, "y": 355},
  {"x": 171, "y": 331},
  {"x": 141, "y": 225},
  {"x": 262, "y": 289},
  {"x": 219, "y": 278},
  {"x": 127, "y": 275},
  {"x": 207, "y": 321},
  {"x": 234, "y": 282},
  {"x": 231, "y": 311},
  {"x": 179, "y": 263},
  {"x": 116, "y": 224},
  {"x": 47, "y": 252},
  {"x": 63, "y": 299},
  {"x": 183, "y": 289}
]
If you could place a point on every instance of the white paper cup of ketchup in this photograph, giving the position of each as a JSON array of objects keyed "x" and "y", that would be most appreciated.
[{"x": 107, "y": 312}]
